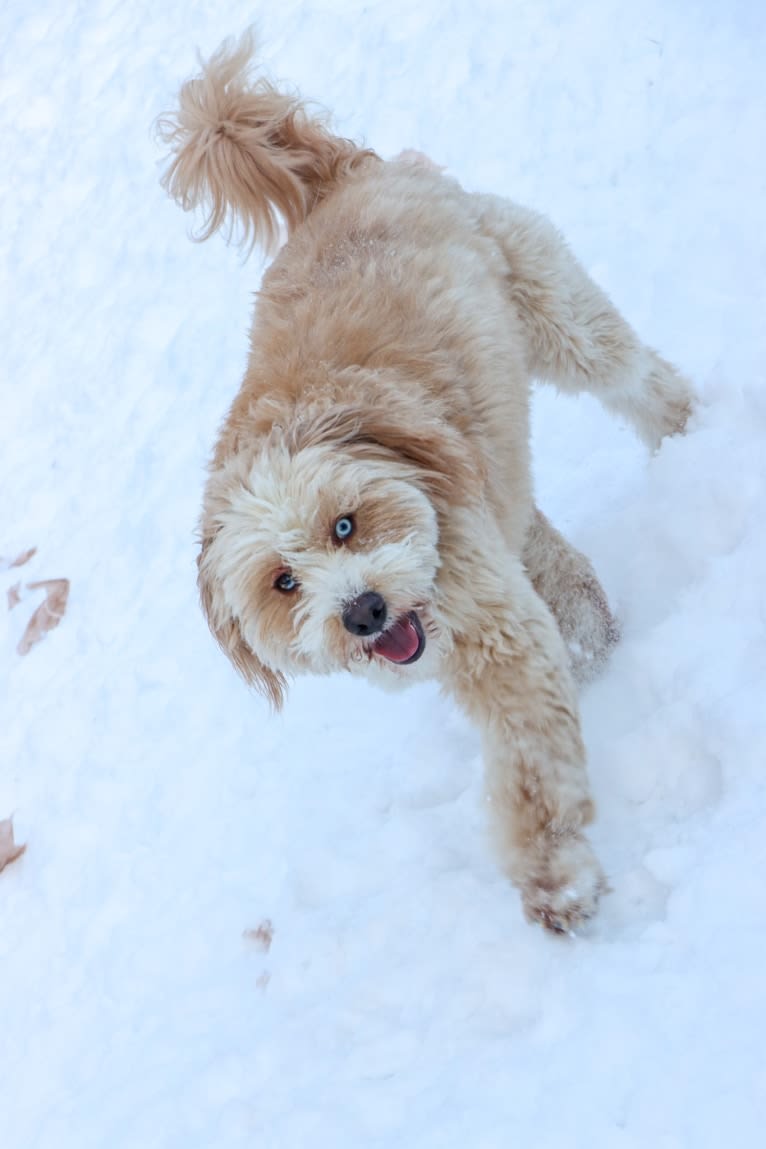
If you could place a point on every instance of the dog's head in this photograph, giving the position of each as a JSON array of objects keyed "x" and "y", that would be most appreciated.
[{"x": 320, "y": 548}]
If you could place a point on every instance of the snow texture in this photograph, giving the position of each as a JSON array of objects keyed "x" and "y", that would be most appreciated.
[{"x": 235, "y": 930}]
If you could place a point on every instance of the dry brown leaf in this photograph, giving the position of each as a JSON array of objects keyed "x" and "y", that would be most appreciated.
[
  {"x": 9, "y": 851},
  {"x": 24, "y": 557},
  {"x": 48, "y": 614},
  {"x": 14, "y": 596},
  {"x": 262, "y": 935}
]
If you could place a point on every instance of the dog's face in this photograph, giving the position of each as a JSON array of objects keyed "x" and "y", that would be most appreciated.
[{"x": 319, "y": 560}]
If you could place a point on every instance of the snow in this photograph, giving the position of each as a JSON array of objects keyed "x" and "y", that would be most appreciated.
[{"x": 402, "y": 1001}]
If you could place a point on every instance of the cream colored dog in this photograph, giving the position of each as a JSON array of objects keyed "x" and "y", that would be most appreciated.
[{"x": 369, "y": 506}]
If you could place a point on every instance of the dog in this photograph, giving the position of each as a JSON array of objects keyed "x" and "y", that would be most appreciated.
[{"x": 369, "y": 505}]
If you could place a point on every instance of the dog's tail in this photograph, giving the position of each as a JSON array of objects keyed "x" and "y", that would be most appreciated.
[{"x": 249, "y": 153}]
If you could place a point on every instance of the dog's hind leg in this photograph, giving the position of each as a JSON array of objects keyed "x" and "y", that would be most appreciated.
[
  {"x": 567, "y": 583},
  {"x": 575, "y": 336}
]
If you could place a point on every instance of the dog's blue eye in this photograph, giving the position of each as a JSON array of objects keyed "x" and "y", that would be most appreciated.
[
  {"x": 286, "y": 582},
  {"x": 344, "y": 528}
]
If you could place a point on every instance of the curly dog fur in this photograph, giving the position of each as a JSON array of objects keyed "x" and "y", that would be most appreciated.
[{"x": 369, "y": 505}]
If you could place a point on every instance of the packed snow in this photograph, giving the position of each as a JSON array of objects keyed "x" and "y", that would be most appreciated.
[{"x": 231, "y": 929}]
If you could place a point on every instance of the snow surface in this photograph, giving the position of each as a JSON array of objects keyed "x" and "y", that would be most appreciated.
[{"x": 403, "y": 1001}]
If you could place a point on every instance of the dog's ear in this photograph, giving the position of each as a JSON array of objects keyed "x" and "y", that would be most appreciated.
[
  {"x": 439, "y": 456},
  {"x": 227, "y": 633},
  {"x": 391, "y": 427}
]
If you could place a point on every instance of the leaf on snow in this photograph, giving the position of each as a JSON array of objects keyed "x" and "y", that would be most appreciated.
[
  {"x": 48, "y": 614},
  {"x": 262, "y": 935},
  {"x": 24, "y": 557},
  {"x": 9, "y": 851},
  {"x": 14, "y": 596}
]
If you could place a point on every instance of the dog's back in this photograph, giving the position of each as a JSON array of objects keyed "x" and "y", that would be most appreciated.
[{"x": 388, "y": 269}]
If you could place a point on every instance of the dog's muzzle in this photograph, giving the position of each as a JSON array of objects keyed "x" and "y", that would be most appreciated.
[{"x": 402, "y": 642}]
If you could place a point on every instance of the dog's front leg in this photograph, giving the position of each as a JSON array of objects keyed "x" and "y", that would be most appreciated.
[{"x": 509, "y": 670}]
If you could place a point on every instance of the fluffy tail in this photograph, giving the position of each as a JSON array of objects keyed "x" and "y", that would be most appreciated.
[{"x": 249, "y": 153}]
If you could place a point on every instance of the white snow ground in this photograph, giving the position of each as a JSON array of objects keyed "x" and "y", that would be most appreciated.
[{"x": 403, "y": 1001}]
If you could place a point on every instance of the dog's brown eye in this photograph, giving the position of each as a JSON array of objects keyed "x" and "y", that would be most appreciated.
[
  {"x": 286, "y": 582},
  {"x": 344, "y": 528}
]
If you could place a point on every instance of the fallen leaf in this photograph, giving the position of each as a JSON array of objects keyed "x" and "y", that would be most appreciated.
[
  {"x": 14, "y": 597},
  {"x": 262, "y": 935},
  {"x": 48, "y": 614},
  {"x": 9, "y": 851},
  {"x": 24, "y": 557}
]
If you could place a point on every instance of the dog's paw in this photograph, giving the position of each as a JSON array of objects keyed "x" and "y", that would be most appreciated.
[
  {"x": 669, "y": 404},
  {"x": 589, "y": 629},
  {"x": 564, "y": 892}
]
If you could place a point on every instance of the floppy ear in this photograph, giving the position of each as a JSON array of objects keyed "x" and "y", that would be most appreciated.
[
  {"x": 439, "y": 455},
  {"x": 227, "y": 633},
  {"x": 389, "y": 425}
]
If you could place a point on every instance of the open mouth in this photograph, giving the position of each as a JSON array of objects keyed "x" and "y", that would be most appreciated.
[{"x": 402, "y": 643}]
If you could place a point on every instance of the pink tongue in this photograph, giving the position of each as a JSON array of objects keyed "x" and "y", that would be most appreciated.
[{"x": 400, "y": 642}]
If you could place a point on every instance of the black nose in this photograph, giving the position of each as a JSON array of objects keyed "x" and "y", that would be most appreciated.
[{"x": 365, "y": 614}]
